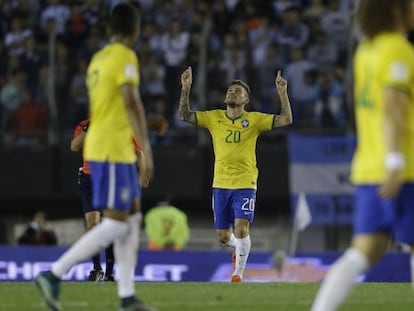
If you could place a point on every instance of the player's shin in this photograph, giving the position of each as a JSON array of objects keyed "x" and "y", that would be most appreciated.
[
  {"x": 242, "y": 254},
  {"x": 340, "y": 280},
  {"x": 89, "y": 244},
  {"x": 125, "y": 250}
]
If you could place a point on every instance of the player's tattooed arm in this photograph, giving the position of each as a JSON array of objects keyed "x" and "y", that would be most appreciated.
[
  {"x": 285, "y": 115},
  {"x": 184, "y": 110}
]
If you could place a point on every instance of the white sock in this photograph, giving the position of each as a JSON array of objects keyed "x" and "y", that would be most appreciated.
[
  {"x": 242, "y": 254},
  {"x": 125, "y": 251},
  {"x": 231, "y": 242},
  {"x": 412, "y": 270},
  {"x": 340, "y": 280},
  {"x": 99, "y": 237}
]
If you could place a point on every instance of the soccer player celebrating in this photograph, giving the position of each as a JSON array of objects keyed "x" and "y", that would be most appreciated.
[
  {"x": 116, "y": 115},
  {"x": 383, "y": 163},
  {"x": 234, "y": 132}
]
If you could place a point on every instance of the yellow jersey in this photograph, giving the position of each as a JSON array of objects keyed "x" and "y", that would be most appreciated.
[
  {"x": 109, "y": 134},
  {"x": 234, "y": 144},
  {"x": 385, "y": 61}
]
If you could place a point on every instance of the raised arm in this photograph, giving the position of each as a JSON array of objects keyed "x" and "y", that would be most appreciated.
[
  {"x": 285, "y": 115},
  {"x": 184, "y": 110}
]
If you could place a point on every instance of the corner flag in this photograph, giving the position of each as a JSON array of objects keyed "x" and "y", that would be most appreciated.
[{"x": 303, "y": 215}]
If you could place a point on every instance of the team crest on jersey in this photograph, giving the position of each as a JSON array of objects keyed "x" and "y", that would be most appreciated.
[
  {"x": 125, "y": 195},
  {"x": 245, "y": 123}
]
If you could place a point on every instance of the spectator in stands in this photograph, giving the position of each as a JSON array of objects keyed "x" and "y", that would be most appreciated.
[
  {"x": 153, "y": 36},
  {"x": 28, "y": 124},
  {"x": 335, "y": 23},
  {"x": 61, "y": 75},
  {"x": 322, "y": 52},
  {"x": 222, "y": 18},
  {"x": 174, "y": 46},
  {"x": 260, "y": 38},
  {"x": 45, "y": 31},
  {"x": 77, "y": 26},
  {"x": 10, "y": 96},
  {"x": 41, "y": 87},
  {"x": 296, "y": 73},
  {"x": 312, "y": 15},
  {"x": 32, "y": 59},
  {"x": 166, "y": 227},
  {"x": 329, "y": 110},
  {"x": 233, "y": 65},
  {"x": 158, "y": 123},
  {"x": 78, "y": 106},
  {"x": 59, "y": 12},
  {"x": 294, "y": 33},
  {"x": 38, "y": 232},
  {"x": 280, "y": 6},
  {"x": 4, "y": 60},
  {"x": 265, "y": 71},
  {"x": 17, "y": 35},
  {"x": 152, "y": 75}
]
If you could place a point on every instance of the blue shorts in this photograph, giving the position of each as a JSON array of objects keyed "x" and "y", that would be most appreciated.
[
  {"x": 114, "y": 185},
  {"x": 85, "y": 189},
  {"x": 229, "y": 204},
  {"x": 374, "y": 213}
]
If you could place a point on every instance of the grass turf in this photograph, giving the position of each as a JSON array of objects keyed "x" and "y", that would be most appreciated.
[{"x": 209, "y": 296}]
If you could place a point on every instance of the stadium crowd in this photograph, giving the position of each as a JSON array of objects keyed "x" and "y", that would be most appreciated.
[{"x": 242, "y": 39}]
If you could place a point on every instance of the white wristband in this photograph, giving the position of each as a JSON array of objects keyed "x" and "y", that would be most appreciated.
[{"x": 394, "y": 160}]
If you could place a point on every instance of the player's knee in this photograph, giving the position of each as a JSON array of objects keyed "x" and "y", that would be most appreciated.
[
  {"x": 223, "y": 237},
  {"x": 241, "y": 232},
  {"x": 91, "y": 222},
  {"x": 90, "y": 225}
]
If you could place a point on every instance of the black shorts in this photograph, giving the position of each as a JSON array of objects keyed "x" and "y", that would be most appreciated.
[{"x": 85, "y": 189}]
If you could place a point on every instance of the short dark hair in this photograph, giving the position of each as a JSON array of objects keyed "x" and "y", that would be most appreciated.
[
  {"x": 242, "y": 84},
  {"x": 124, "y": 19},
  {"x": 376, "y": 16}
]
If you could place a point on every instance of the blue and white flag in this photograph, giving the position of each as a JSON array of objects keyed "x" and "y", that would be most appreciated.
[{"x": 319, "y": 166}]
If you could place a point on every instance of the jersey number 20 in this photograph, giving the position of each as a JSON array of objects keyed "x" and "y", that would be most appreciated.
[{"x": 232, "y": 136}]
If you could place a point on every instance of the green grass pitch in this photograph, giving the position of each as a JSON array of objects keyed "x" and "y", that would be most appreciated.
[{"x": 188, "y": 296}]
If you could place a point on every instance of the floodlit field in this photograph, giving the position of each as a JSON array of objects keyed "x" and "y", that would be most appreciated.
[{"x": 209, "y": 296}]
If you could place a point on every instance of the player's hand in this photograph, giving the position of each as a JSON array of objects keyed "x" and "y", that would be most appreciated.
[
  {"x": 85, "y": 127},
  {"x": 187, "y": 78},
  {"x": 143, "y": 178},
  {"x": 280, "y": 82},
  {"x": 391, "y": 185},
  {"x": 147, "y": 171}
]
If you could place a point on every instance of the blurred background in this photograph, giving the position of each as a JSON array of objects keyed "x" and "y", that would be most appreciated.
[{"x": 47, "y": 44}]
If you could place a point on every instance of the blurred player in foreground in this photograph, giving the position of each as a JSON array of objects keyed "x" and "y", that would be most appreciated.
[
  {"x": 383, "y": 164},
  {"x": 234, "y": 132},
  {"x": 117, "y": 114}
]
